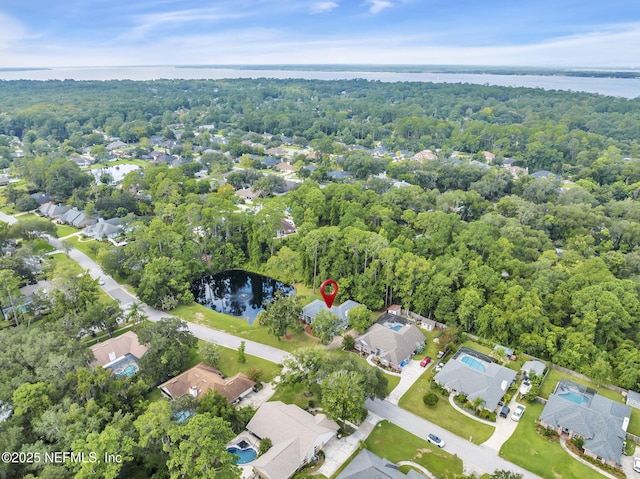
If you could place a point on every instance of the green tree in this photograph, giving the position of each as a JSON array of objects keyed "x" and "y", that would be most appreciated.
[
  {"x": 360, "y": 318},
  {"x": 430, "y": 399},
  {"x": 198, "y": 449},
  {"x": 241, "y": 356},
  {"x": 209, "y": 352},
  {"x": 169, "y": 341},
  {"x": 343, "y": 396},
  {"x": 326, "y": 325},
  {"x": 601, "y": 370},
  {"x": 281, "y": 313},
  {"x": 164, "y": 283},
  {"x": 10, "y": 295}
]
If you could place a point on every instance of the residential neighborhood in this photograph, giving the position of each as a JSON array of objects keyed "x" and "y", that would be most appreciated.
[{"x": 161, "y": 272}]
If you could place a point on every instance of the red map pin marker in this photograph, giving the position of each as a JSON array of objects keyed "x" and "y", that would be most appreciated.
[{"x": 329, "y": 297}]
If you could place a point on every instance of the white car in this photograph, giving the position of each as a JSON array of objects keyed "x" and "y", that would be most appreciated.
[
  {"x": 435, "y": 440},
  {"x": 517, "y": 414},
  {"x": 636, "y": 464}
]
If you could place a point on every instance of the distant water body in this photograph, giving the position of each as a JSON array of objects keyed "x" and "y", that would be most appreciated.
[{"x": 620, "y": 87}]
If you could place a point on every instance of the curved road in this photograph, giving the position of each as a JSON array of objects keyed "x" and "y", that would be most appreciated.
[{"x": 477, "y": 457}]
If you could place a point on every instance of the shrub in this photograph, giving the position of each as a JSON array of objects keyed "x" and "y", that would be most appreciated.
[
  {"x": 348, "y": 342},
  {"x": 255, "y": 374},
  {"x": 265, "y": 445},
  {"x": 578, "y": 442},
  {"x": 430, "y": 399}
]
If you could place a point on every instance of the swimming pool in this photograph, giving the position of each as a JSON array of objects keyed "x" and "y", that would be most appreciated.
[
  {"x": 244, "y": 455},
  {"x": 126, "y": 366},
  {"x": 473, "y": 363},
  {"x": 575, "y": 397},
  {"x": 394, "y": 326}
]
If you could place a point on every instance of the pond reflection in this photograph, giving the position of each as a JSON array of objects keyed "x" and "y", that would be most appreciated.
[{"x": 237, "y": 293}]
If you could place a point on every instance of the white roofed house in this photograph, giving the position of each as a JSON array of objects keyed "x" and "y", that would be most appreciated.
[{"x": 296, "y": 437}]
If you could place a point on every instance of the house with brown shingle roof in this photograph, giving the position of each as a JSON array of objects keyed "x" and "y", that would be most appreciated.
[
  {"x": 201, "y": 378},
  {"x": 297, "y": 436},
  {"x": 116, "y": 348}
]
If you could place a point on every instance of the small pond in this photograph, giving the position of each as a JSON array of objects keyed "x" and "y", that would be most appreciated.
[{"x": 237, "y": 293}]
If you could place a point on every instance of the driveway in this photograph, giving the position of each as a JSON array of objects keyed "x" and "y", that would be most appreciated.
[{"x": 409, "y": 375}]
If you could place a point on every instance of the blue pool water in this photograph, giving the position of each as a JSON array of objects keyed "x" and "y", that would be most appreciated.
[
  {"x": 396, "y": 327},
  {"x": 473, "y": 362},
  {"x": 575, "y": 397},
  {"x": 244, "y": 455},
  {"x": 128, "y": 371}
]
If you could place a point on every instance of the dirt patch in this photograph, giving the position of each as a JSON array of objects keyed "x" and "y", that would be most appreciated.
[{"x": 199, "y": 316}]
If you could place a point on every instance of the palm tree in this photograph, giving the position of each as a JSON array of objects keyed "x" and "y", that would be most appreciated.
[
  {"x": 477, "y": 403},
  {"x": 136, "y": 314}
]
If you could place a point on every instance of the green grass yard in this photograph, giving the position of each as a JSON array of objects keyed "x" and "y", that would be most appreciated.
[
  {"x": 65, "y": 230},
  {"x": 443, "y": 414},
  {"x": 395, "y": 444},
  {"x": 531, "y": 451},
  {"x": 197, "y": 313}
]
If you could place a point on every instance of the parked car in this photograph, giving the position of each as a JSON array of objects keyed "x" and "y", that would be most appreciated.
[
  {"x": 426, "y": 360},
  {"x": 439, "y": 366},
  {"x": 505, "y": 411},
  {"x": 435, "y": 440},
  {"x": 440, "y": 354},
  {"x": 636, "y": 464},
  {"x": 517, "y": 414}
]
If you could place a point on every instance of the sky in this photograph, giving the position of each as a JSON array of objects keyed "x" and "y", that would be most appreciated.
[{"x": 549, "y": 33}]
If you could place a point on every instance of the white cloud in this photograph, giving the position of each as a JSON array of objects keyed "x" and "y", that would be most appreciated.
[
  {"x": 322, "y": 7},
  {"x": 378, "y": 5},
  {"x": 12, "y": 32}
]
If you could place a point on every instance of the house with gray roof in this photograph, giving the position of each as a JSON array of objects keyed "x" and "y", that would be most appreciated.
[
  {"x": 296, "y": 437},
  {"x": 77, "y": 218},
  {"x": 477, "y": 376},
  {"x": 366, "y": 465},
  {"x": 536, "y": 367},
  {"x": 574, "y": 410},
  {"x": 392, "y": 344},
  {"x": 52, "y": 210},
  {"x": 633, "y": 399},
  {"x": 104, "y": 229},
  {"x": 311, "y": 310}
]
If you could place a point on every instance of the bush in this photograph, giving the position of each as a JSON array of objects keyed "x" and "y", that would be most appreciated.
[
  {"x": 578, "y": 442},
  {"x": 265, "y": 445},
  {"x": 255, "y": 374},
  {"x": 348, "y": 342},
  {"x": 430, "y": 399},
  {"x": 460, "y": 399}
]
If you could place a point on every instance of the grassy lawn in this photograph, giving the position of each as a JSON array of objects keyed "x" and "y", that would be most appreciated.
[
  {"x": 197, "y": 313},
  {"x": 391, "y": 442},
  {"x": 528, "y": 449},
  {"x": 443, "y": 414},
  {"x": 89, "y": 247},
  {"x": 297, "y": 394},
  {"x": 65, "y": 230},
  {"x": 41, "y": 246}
]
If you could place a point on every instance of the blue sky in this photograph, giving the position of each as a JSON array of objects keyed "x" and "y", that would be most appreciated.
[{"x": 556, "y": 33}]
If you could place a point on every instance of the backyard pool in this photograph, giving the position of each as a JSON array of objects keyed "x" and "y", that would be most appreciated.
[
  {"x": 124, "y": 367},
  {"x": 575, "y": 397},
  {"x": 473, "y": 363},
  {"x": 244, "y": 455}
]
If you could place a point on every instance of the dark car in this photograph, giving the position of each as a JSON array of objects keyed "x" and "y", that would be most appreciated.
[{"x": 505, "y": 411}]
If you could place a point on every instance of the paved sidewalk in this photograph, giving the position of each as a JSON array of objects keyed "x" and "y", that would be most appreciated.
[
  {"x": 337, "y": 451},
  {"x": 410, "y": 374}
]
